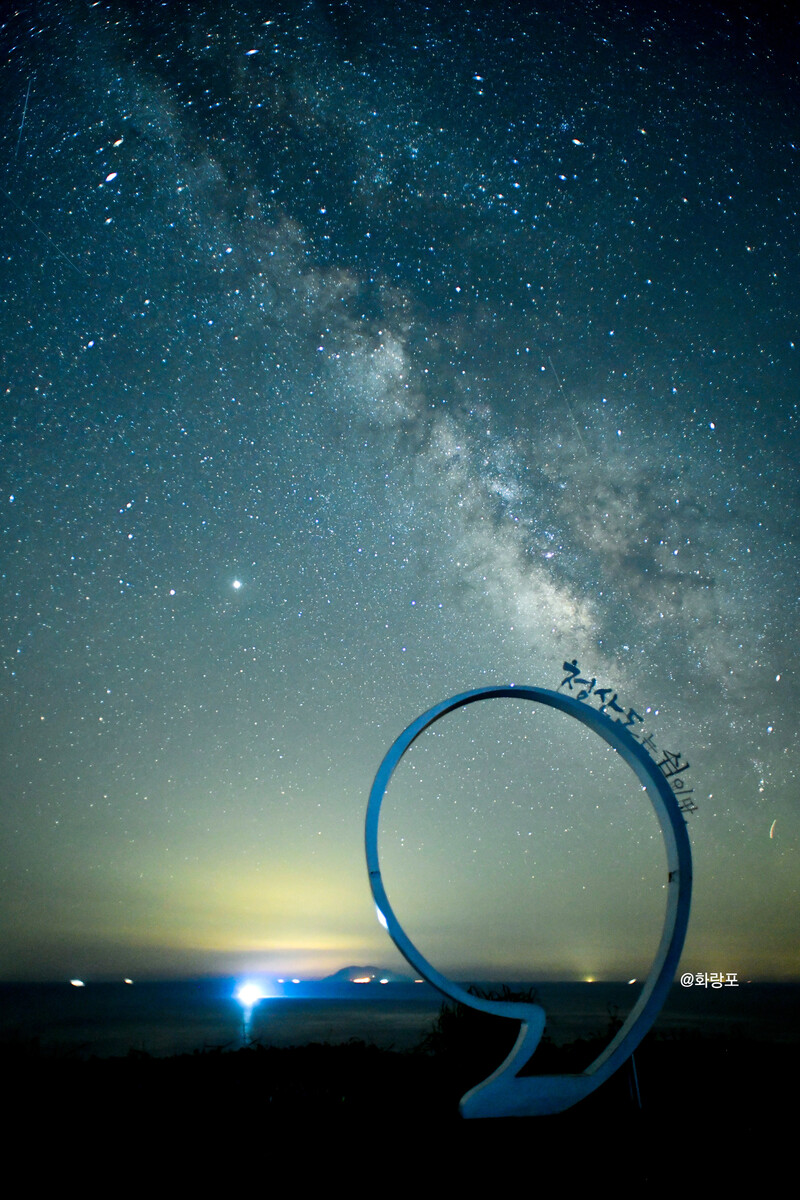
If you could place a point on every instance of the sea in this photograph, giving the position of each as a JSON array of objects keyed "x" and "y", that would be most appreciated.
[{"x": 177, "y": 1017}]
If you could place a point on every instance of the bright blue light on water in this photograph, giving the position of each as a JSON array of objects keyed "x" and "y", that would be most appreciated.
[{"x": 249, "y": 994}]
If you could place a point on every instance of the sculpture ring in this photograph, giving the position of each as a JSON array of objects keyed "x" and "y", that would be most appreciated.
[{"x": 504, "y": 1093}]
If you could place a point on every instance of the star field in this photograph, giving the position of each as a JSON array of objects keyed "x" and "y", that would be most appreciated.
[{"x": 352, "y": 360}]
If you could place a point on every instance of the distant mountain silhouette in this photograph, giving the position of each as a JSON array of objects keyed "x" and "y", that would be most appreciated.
[{"x": 367, "y": 974}]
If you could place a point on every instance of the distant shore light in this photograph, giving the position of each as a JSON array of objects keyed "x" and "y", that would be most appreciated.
[{"x": 249, "y": 994}]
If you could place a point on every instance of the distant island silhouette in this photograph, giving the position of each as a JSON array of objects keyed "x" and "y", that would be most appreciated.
[{"x": 367, "y": 974}]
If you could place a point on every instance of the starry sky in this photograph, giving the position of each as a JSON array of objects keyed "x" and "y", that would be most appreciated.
[{"x": 356, "y": 355}]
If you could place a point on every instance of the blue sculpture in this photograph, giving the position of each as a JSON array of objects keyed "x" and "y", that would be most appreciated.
[{"x": 504, "y": 1093}]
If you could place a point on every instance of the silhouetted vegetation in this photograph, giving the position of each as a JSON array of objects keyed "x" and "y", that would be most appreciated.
[
  {"x": 471, "y": 1043},
  {"x": 287, "y": 1098}
]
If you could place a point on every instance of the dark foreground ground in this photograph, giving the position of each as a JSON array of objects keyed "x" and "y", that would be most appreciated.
[{"x": 714, "y": 1111}]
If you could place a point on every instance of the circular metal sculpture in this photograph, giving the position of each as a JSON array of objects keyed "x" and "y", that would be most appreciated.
[{"x": 504, "y": 1093}]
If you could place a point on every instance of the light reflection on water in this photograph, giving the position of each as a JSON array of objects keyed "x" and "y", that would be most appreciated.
[{"x": 170, "y": 1018}]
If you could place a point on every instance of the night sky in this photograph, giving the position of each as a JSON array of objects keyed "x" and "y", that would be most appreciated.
[{"x": 356, "y": 355}]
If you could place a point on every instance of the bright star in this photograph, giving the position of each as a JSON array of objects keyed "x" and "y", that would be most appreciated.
[{"x": 237, "y": 583}]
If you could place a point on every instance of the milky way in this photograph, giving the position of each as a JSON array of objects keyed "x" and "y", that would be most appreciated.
[{"x": 353, "y": 361}]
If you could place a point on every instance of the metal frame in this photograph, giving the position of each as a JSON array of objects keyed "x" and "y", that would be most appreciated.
[{"x": 505, "y": 1094}]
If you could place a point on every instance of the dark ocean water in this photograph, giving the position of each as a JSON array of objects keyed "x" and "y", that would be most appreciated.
[{"x": 107, "y": 1019}]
